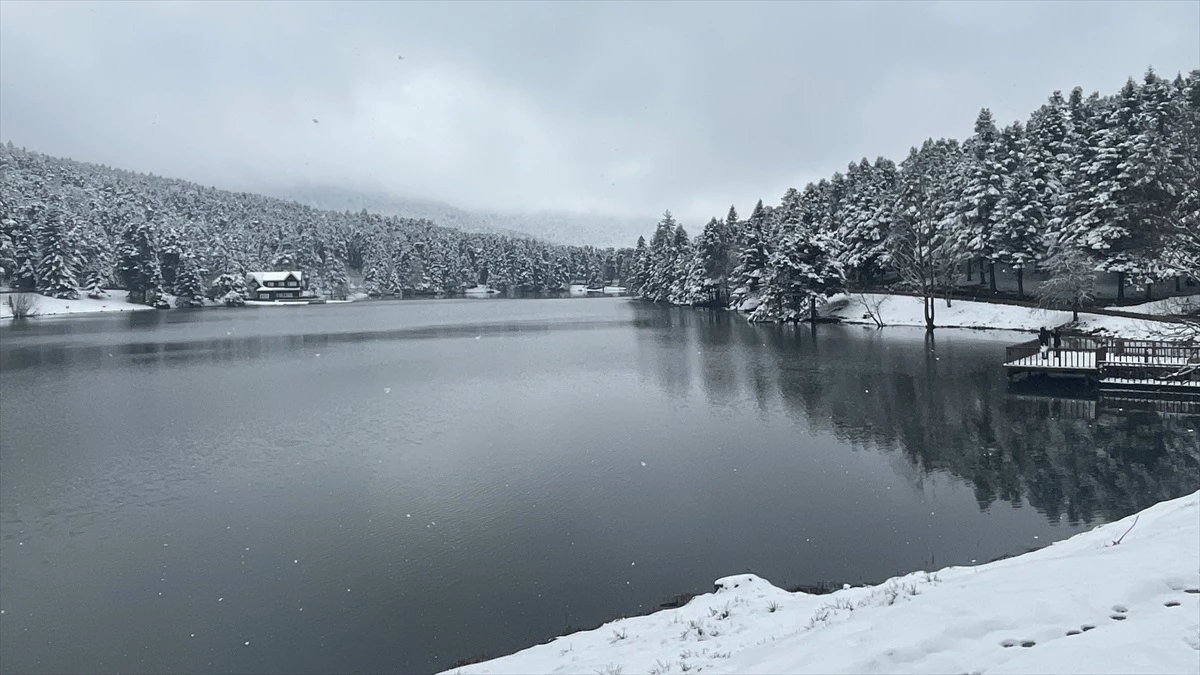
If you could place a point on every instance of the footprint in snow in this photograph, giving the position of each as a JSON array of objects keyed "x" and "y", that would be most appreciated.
[
  {"x": 1171, "y": 603},
  {"x": 1120, "y": 609},
  {"x": 1118, "y": 617},
  {"x": 1086, "y": 627},
  {"x": 1193, "y": 591},
  {"x": 1013, "y": 643}
]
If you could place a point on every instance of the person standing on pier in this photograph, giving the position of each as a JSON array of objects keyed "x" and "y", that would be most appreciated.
[
  {"x": 1044, "y": 341},
  {"x": 1057, "y": 337}
]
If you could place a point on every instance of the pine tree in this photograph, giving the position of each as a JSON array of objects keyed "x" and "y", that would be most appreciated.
[
  {"x": 1069, "y": 223},
  {"x": 1048, "y": 157},
  {"x": 171, "y": 251},
  {"x": 1016, "y": 236},
  {"x": 752, "y": 260},
  {"x": 640, "y": 274},
  {"x": 1114, "y": 231},
  {"x": 660, "y": 267},
  {"x": 982, "y": 185},
  {"x": 8, "y": 256},
  {"x": 225, "y": 284},
  {"x": 189, "y": 282},
  {"x": 56, "y": 269},
  {"x": 682, "y": 256},
  {"x": 707, "y": 284},
  {"x": 802, "y": 269},
  {"x": 1181, "y": 244},
  {"x": 93, "y": 281},
  {"x": 137, "y": 264},
  {"x": 25, "y": 253}
]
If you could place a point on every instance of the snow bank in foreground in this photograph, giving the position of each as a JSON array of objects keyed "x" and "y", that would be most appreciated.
[
  {"x": 1080, "y": 605},
  {"x": 904, "y": 310},
  {"x": 47, "y": 306}
]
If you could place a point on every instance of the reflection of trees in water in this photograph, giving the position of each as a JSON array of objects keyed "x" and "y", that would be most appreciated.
[{"x": 945, "y": 407}]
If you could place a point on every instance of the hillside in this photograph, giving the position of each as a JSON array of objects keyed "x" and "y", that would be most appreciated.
[
  {"x": 561, "y": 228},
  {"x": 66, "y": 225}
]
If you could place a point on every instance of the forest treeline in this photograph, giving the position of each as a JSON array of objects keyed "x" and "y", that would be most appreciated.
[
  {"x": 1088, "y": 184},
  {"x": 68, "y": 227}
]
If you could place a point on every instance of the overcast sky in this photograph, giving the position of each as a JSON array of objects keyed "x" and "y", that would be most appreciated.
[{"x": 622, "y": 108}]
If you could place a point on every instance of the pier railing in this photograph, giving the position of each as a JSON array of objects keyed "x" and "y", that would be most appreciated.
[{"x": 1139, "y": 363}]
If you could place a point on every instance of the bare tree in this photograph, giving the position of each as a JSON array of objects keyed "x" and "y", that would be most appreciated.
[
  {"x": 1072, "y": 281},
  {"x": 871, "y": 303},
  {"x": 22, "y": 305},
  {"x": 922, "y": 218}
]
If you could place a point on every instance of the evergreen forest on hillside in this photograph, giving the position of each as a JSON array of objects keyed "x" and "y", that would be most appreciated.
[
  {"x": 68, "y": 226},
  {"x": 1087, "y": 185}
]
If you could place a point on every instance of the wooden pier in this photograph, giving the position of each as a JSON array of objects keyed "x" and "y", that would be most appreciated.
[{"x": 1112, "y": 363}]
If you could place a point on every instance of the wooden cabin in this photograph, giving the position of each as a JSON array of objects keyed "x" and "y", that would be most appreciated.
[{"x": 275, "y": 286}]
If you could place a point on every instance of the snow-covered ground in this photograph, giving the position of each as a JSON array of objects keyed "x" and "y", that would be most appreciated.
[
  {"x": 1179, "y": 305},
  {"x": 904, "y": 310},
  {"x": 1083, "y": 605},
  {"x": 47, "y": 306}
]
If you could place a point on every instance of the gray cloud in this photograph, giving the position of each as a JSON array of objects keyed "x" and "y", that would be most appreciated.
[{"x": 621, "y": 108}]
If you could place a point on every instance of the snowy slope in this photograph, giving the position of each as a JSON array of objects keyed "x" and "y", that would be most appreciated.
[
  {"x": 1080, "y": 605},
  {"x": 904, "y": 310},
  {"x": 1179, "y": 305},
  {"x": 47, "y": 306}
]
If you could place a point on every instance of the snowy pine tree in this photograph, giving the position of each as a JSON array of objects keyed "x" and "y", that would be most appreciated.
[
  {"x": 982, "y": 188},
  {"x": 1017, "y": 234},
  {"x": 802, "y": 269},
  {"x": 137, "y": 264},
  {"x": 752, "y": 260},
  {"x": 56, "y": 269},
  {"x": 189, "y": 282}
]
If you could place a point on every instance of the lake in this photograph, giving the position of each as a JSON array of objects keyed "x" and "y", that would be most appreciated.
[{"x": 393, "y": 486}]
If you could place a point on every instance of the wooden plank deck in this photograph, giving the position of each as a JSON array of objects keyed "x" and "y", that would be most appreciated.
[
  {"x": 1064, "y": 360},
  {"x": 1131, "y": 365}
]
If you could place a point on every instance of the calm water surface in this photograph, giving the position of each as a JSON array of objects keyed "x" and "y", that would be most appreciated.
[{"x": 394, "y": 486}]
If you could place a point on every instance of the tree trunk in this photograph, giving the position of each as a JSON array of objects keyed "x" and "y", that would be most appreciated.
[
  {"x": 1178, "y": 286},
  {"x": 1020, "y": 282},
  {"x": 1149, "y": 290},
  {"x": 812, "y": 309},
  {"x": 1120, "y": 286},
  {"x": 929, "y": 311},
  {"x": 968, "y": 270},
  {"x": 1075, "y": 312},
  {"x": 992, "y": 275},
  {"x": 982, "y": 273}
]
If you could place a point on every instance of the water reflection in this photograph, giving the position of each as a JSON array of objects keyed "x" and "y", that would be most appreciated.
[{"x": 945, "y": 406}]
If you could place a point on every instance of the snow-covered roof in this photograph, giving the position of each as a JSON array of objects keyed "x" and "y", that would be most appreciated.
[{"x": 263, "y": 277}]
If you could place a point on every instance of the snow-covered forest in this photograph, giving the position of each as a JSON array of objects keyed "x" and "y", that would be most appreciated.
[
  {"x": 1087, "y": 185},
  {"x": 68, "y": 227}
]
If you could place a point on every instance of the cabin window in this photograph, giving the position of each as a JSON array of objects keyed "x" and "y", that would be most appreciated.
[
  {"x": 293, "y": 284},
  {"x": 264, "y": 296}
]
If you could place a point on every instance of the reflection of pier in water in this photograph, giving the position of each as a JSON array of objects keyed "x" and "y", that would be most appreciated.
[{"x": 1080, "y": 403}]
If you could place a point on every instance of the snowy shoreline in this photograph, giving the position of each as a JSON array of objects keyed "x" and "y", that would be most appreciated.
[
  {"x": 1121, "y": 598},
  {"x": 904, "y": 310},
  {"x": 893, "y": 310}
]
